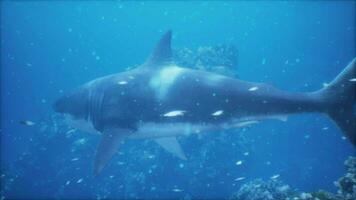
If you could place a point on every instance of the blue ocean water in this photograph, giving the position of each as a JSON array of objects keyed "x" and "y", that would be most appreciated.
[{"x": 48, "y": 48}]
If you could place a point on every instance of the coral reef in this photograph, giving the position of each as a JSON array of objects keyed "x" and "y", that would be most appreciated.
[
  {"x": 347, "y": 184},
  {"x": 264, "y": 190},
  {"x": 275, "y": 189},
  {"x": 221, "y": 59}
]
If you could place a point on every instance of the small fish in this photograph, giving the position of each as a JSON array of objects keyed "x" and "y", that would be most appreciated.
[
  {"x": 27, "y": 123},
  {"x": 80, "y": 180},
  {"x": 253, "y": 89},
  {"x": 177, "y": 190},
  {"x": 239, "y": 162},
  {"x": 175, "y": 113},
  {"x": 246, "y": 123},
  {"x": 246, "y": 153},
  {"x": 240, "y": 178},
  {"x": 352, "y": 80},
  {"x": 122, "y": 82},
  {"x": 68, "y": 182},
  {"x": 75, "y": 159},
  {"x": 275, "y": 176},
  {"x": 217, "y": 113},
  {"x": 70, "y": 131}
]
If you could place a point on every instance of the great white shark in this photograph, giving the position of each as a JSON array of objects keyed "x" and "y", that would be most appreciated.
[{"x": 160, "y": 100}]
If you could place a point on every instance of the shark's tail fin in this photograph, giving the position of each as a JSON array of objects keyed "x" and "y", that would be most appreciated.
[{"x": 339, "y": 98}]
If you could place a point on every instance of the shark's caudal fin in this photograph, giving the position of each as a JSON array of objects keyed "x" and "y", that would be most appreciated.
[{"x": 339, "y": 97}]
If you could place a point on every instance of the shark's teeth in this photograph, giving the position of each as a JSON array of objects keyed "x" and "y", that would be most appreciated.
[
  {"x": 253, "y": 89},
  {"x": 217, "y": 113},
  {"x": 174, "y": 113}
]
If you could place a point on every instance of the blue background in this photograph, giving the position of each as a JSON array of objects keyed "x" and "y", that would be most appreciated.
[{"x": 48, "y": 48}]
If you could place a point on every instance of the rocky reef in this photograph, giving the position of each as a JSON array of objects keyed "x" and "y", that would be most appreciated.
[
  {"x": 221, "y": 59},
  {"x": 275, "y": 189}
]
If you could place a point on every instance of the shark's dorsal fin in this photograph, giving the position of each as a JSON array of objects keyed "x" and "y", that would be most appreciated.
[{"x": 162, "y": 54}]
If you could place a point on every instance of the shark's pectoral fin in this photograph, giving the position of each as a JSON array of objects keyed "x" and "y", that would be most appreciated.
[
  {"x": 171, "y": 145},
  {"x": 107, "y": 148}
]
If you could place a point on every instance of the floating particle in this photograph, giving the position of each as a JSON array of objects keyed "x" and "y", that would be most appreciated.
[
  {"x": 122, "y": 82},
  {"x": 217, "y": 113},
  {"x": 253, "y": 89},
  {"x": 68, "y": 182},
  {"x": 27, "y": 123},
  {"x": 263, "y": 61},
  {"x": 325, "y": 84},
  {"x": 181, "y": 165},
  {"x": 70, "y": 30},
  {"x": 97, "y": 57},
  {"x": 239, "y": 162},
  {"x": 174, "y": 113},
  {"x": 297, "y": 60},
  {"x": 306, "y": 136},
  {"x": 80, "y": 180},
  {"x": 352, "y": 79},
  {"x": 246, "y": 153},
  {"x": 240, "y": 178},
  {"x": 325, "y": 128},
  {"x": 28, "y": 64},
  {"x": 43, "y": 101},
  {"x": 275, "y": 176}
]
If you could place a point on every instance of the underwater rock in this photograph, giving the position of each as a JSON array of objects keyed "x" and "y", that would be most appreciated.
[{"x": 221, "y": 59}]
